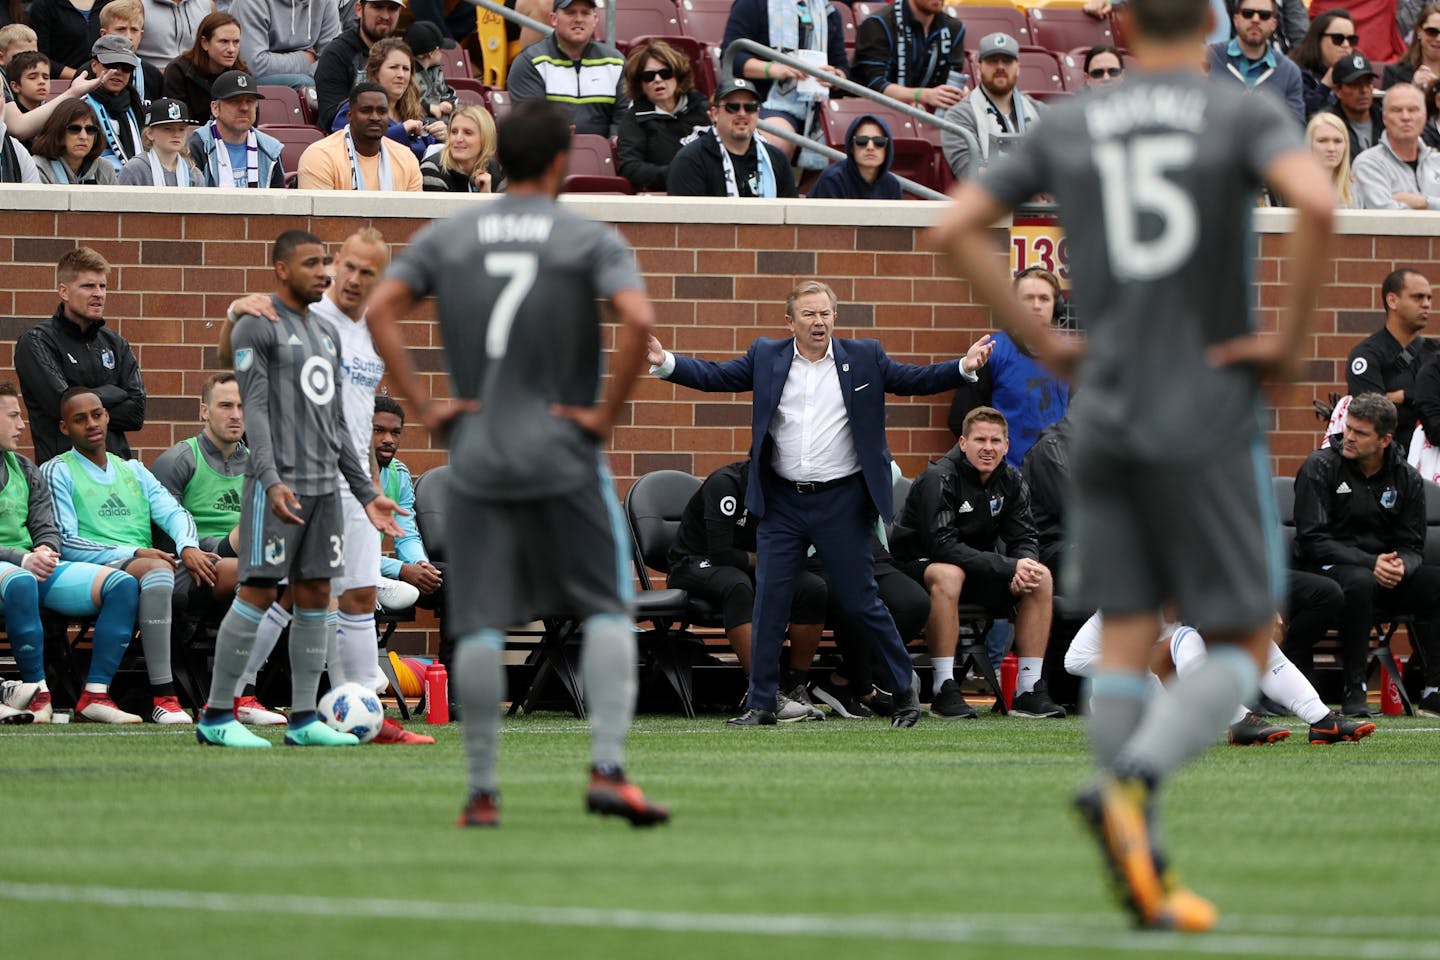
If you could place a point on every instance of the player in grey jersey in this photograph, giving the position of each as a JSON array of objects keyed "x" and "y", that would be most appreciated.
[
  {"x": 1155, "y": 180},
  {"x": 290, "y": 519},
  {"x": 529, "y": 489}
]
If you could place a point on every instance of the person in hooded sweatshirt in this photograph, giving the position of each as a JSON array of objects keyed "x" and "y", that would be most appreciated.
[
  {"x": 864, "y": 174},
  {"x": 282, "y": 39}
]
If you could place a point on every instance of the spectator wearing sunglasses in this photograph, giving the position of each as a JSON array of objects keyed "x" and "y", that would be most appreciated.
[
  {"x": 1330, "y": 37},
  {"x": 1250, "y": 59},
  {"x": 728, "y": 160},
  {"x": 1421, "y": 63},
  {"x": 1103, "y": 66},
  {"x": 116, "y": 102},
  {"x": 665, "y": 108},
  {"x": 1355, "y": 102},
  {"x": 864, "y": 174},
  {"x": 1378, "y": 23},
  {"x": 69, "y": 147}
]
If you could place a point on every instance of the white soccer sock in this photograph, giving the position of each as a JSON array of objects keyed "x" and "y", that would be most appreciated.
[
  {"x": 1286, "y": 685},
  {"x": 944, "y": 668},
  {"x": 359, "y": 648},
  {"x": 1029, "y": 674}
]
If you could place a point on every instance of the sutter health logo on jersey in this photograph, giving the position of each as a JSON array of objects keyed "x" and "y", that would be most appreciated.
[{"x": 113, "y": 507}]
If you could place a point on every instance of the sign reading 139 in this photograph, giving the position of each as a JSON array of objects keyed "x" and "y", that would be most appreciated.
[{"x": 1039, "y": 242}]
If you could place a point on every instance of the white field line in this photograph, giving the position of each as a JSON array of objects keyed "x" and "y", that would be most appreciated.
[{"x": 1047, "y": 931}]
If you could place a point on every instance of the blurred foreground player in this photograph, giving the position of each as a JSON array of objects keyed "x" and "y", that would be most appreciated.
[
  {"x": 531, "y": 492},
  {"x": 1154, "y": 180}
]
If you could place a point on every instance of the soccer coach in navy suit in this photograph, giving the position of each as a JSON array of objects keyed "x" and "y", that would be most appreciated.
[{"x": 819, "y": 473}]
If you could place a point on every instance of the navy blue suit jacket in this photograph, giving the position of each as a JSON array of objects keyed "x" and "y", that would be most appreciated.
[{"x": 866, "y": 375}]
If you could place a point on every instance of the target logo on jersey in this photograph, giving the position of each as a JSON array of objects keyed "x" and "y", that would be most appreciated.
[{"x": 317, "y": 380}]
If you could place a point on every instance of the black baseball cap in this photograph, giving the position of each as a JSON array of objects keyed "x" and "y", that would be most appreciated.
[
  {"x": 1352, "y": 68},
  {"x": 735, "y": 85},
  {"x": 235, "y": 83},
  {"x": 165, "y": 110}
]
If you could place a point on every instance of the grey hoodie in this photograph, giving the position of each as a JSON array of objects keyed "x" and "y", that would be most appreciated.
[
  {"x": 274, "y": 34},
  {"x": 1379, "y": 174}
]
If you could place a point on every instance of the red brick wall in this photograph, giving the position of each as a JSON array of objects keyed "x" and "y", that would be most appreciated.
[{"x": 716, "y": 286}]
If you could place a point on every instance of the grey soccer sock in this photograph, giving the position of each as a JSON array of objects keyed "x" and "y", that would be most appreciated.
[
  {"x": 480, "y": 689},
  {"x": 307, "y": 658},
  {"x": 272, "y": 624},
  {"x": 233, "y": 644},
  {"x": 1187, "y": 717},
  {"x": 607, "y": 669},
  {"x": 1117, "y": 702},
  {"x": 157, "y": 591}
]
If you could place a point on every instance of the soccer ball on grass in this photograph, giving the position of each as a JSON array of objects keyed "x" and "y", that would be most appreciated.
[{"x": 351, "y": 708}]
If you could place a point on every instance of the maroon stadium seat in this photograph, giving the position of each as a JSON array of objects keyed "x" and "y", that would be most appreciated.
[
  {"x": 1040, "y": 71},
  {"x": 457, "y": 64},
  {"x": 704, "y": 20},
  {"x": 592, "y": 167},
  {"x": 643, "y": 18},
  {"x": 282, "y": 105},
  {"x": 293, "y": 141},
  {"x": 839, "y": 114},
  {"x": 982, "y": 21},
  {"x": 1061, "y": 29}
]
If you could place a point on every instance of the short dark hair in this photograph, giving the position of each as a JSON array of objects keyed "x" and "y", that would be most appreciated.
[
  {"x": 1169, "y": 19},
  {"x": 1100, "y": 49},
  {"x": 8, "y": 388},
  {"x": 1307, "y": 55},
  {"x": 213, "y": 381},
  {"x": 367, "y": 87},
  {"x": 384, "y": 403},
  {"x": 1394, "y": 282},
  {"x": 287, "y": 242},
  {"x": 23, "y": 61},
  {"x": 76, "y": 391},
  {"x": 1375, "y": 409},
  {"x": 530, "y": 137},
  {"x": 984, "y": 415}
]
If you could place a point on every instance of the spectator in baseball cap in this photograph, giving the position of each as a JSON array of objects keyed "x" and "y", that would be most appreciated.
[{"x": 164, "y": 163}]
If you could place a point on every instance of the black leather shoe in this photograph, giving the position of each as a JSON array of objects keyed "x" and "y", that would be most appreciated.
[
  {"x": 753, "y": 718},
  {"x": 1355, "y": 702}
]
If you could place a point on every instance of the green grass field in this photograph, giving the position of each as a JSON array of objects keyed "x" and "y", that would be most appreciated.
[{"x": 837, "y": 839}]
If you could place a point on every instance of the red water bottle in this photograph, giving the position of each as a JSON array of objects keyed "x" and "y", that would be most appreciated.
[
  {"x": 1390, "y": 704},
  {"x": 1009, "y": 673},
  {"x": 437, "y": 694}
]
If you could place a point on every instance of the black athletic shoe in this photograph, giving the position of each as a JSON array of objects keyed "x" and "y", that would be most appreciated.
[
  {"x": 1337, "y": 729},
  {"x": 1035, "y": 703},
  {"x": 881, "y": 703},
  {"x": 753, "y": 717},
  {"x": 950, "y": 704},
  {"x": 905, "y": 717},
  {"x": 1355, "y": 702},
  {"x": 1428, "y": 705},
  {"x": 842, "y": 700},
  {"x": 1253, "y": 730}
]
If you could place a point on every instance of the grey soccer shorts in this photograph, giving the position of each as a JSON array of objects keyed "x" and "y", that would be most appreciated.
[
  {"x": 271, "y": 549},
  {"x": 1205, "y": 535},
  {"x": 516, "y": 561}
]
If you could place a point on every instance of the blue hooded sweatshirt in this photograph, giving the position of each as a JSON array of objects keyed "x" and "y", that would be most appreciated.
[{"x": 842, "y": 180}]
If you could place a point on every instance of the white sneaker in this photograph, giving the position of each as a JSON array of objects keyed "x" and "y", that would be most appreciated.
[
  {"x": 11, "y": 715},
  {"x": 395, "y": 595},
  {"x": 99, "y": 708},
  {"x": 17, "y": 694},
  {"x": 253, "y": 713},
  {"x": 380, "y": 683},
  {"x": 167, "y": 711},
  {"x": 41, "y": 707}
]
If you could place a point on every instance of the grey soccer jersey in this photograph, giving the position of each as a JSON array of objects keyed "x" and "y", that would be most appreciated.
[
  {"x": 1155, "y": 180},
  {"x": 293, "y": 418},
  {"x": 517, "y": 283}
]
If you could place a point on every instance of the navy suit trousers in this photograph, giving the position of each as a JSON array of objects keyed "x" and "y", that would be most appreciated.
[{"x": 839, "y": 522}]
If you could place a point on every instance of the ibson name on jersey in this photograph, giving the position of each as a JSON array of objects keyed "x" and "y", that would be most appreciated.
[{"x": 510, "y": 228}]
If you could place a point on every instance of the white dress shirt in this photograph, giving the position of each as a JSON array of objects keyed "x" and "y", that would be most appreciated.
[{"x": 811, "y": 427}]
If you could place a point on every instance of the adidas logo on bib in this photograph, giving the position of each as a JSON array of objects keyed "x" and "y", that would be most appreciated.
[
  {"x": 228, "y": 502},
  {"x": 113, "y": 507}
]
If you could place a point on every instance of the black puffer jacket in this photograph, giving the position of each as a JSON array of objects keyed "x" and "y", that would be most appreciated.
[{"x": 650, "y": 138}]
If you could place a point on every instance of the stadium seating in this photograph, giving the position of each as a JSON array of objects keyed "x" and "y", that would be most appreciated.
[
  {"x": 457, "y": 64},
  {"x": 1040, "y": 72},
  {"x": 283, "y": 105},
  {"x": 847, "y": 26},
  {"x": 641, "y": 18},
  {"x": 704, "y": 20},
  {"x": 702, "y": 63},
  {"x": 982, "y": 21},
  {"x": 592, "y": 167},
  {"x": 1060, "y": 30},
  {"x": 498, "y": 101},
  {"x": 293, "y": 142}
]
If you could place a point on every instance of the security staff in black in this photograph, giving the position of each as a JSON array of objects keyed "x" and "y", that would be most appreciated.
[
  {"x": 1360, "y": 520},
  {"x": 713, "y": 559},
  {"x": 1047, "y": 472},
  {"x": 1389, "y": 360}
]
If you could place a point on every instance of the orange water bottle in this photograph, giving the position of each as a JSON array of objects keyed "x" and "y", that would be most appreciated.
[
  {"x": 437, "y": 694},
  {"x": 1009, "y": 673},
  {"x": 1390, "y": 703}
]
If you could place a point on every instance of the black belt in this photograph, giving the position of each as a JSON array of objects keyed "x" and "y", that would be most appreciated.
[{"x": 814, "y": 486}]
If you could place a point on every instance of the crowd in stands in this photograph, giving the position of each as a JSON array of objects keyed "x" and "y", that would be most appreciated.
[{"x": 1374, "y": 70}]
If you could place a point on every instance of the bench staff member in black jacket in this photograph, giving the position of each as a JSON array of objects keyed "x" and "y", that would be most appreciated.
[
  {"x": 1360, "y": 520},
  {"x": 967, "y": 535}
]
